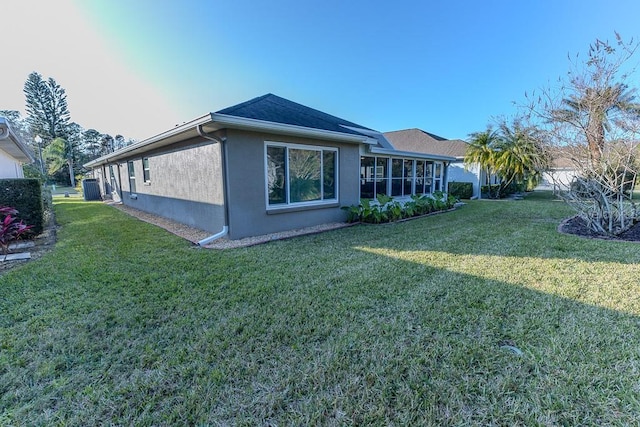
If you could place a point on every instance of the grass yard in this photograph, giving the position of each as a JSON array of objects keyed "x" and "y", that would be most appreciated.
[{"x": 482, "y": 316}]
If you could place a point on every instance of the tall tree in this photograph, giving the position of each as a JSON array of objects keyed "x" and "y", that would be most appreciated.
[
  {"x": 592, "y": 110},
  {"x": 482, "y": 151},
  {"x": 119, "y": 142},
  {"x": 592, "y": 117},
  {"x": 107, "y": 144},
  {"x": 46, "y": 105},
  {"x": 59, "y": 154},
  {"x": 92, "y": 142},
  {"x": 520, "y": 155}
]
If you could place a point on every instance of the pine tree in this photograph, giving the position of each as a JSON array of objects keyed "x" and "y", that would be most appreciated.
[{"x": 46, "y": 105}]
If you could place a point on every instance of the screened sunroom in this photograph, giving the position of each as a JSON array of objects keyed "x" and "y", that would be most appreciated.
[{"x": 400, "y": 176}]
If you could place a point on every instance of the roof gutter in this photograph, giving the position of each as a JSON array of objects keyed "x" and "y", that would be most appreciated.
[
  {"x": 225, "y": 190},
  {"x": 125, "y": 151},
  {"x": 7, "y": 134},
  {"x": 376, "y": 150}
]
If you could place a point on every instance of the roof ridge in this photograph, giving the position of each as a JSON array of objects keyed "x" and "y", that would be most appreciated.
[
  {"x": 323, "y": 116},
  {"x": 245, "y": 103}
]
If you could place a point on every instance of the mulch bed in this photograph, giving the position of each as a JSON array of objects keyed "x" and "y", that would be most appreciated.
[{"x": 576, "y": 225}]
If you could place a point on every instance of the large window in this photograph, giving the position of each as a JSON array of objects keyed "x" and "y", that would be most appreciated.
[
  {"x": 301, "y": 174},
  {"x": 132, "y": 177},
  {"x": 374, "y": 176}
]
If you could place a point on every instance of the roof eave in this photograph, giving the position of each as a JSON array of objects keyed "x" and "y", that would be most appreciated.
[
  {"x": 170, "y": 136},
  {"x": 217, "y": 121},
  {"x": 234, "y": 122},
  {"x": 399, "y": 153},
  {"x": 12, "y": 145}
]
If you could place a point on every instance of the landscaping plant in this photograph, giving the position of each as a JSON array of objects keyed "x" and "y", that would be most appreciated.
[
  {"x": 10, "y": 228},
  {"x": 385, "y": 209}
]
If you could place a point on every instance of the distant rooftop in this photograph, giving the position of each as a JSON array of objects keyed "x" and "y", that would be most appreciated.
[{"x": 417, "y": 140}]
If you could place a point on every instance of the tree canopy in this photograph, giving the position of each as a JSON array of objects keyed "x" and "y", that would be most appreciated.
[
  {"x": 49, "y": 118},
  {"x": 513, "y": 152},
  {"x": 46, "y": 105},
  {"x": 592, "y": 117}
]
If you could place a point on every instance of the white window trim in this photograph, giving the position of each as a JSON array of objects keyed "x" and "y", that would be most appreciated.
[
  {"x": 146, "y": 181},
  {"x": 131, "y": 163},
  {"x": 289, "y": 204}
]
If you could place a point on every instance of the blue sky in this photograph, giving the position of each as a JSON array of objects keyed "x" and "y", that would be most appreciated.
[{"x": 140, "y": 67}]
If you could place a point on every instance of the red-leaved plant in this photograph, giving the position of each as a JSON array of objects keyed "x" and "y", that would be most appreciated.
[{"x": 10, "y": 228}]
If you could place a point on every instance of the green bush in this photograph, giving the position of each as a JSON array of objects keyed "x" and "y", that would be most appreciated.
[
  {"x": 388, "y": 210},
  {"x": 500, "y": 191},
  {"x": 25, "y": 195},
  {"x": 461, "y": 190}
]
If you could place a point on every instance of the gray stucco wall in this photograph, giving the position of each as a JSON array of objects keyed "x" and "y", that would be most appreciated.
[
  {"x": 185, "y": 184},
  {"x": 248, "y": 214}
]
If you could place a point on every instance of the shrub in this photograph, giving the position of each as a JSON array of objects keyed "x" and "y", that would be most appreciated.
[
  {"x": 10, "y": 228},
  {"x": 25, "y": 195},
  {"x": 461, "y": 190},
  {"x": 388, "y": 210},
  {"x": 500, "y": 191}
]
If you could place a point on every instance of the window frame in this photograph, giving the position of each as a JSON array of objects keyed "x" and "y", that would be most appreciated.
[
  {"x": 438, "y": 178},
  {"x": 131, "y": 172},
  {"x": 408, "y": 176},
  {"x": 321, "y": 149},
  {"x": 146, "y": 171}
]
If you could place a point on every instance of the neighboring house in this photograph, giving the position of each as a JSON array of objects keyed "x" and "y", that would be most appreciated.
[
  {"x": 266, "y": 165},
  {"x": 562, "y": 171},
  {"x": 13, "y": 152},
  {"x": 424, "y": 142}
]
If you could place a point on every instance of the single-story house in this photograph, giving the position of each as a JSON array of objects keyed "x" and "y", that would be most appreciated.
[
  {"x": 263, "y": 166},
  {"x": 566, "y": 166},
  {"x": 13, "y": 152},
  {"x": 421, "y": 141},
  {"x": 561, "y": 173}
]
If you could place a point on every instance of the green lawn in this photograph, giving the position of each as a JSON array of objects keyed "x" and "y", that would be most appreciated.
[{"x": 406, "y": 324}]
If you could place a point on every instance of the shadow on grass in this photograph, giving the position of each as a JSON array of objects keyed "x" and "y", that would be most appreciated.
[
  {"x": 325, "y": 329},
  {"x": 515, "y": 229}
]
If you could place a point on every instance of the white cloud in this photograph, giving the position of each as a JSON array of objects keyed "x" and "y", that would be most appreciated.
[{"x": 55, "y": 39}]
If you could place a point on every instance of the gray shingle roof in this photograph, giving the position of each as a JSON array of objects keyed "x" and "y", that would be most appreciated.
[
  {"x": 417, "y": 140},
  {"x": 272, "y": 108}
]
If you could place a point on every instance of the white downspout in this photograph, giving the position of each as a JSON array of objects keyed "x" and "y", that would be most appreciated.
[{"x": 225, "y": 228}]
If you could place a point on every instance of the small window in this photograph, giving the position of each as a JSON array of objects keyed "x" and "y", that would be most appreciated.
[
  {"x": 146, "y": 173},
  {"x": 132, "y": 177},
  {"x": 112, "y": 179}
]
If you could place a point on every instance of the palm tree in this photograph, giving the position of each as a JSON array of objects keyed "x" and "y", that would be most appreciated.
[
  {"x": 58, "y": 154},
  {"x": 592, "y": 112},
  {"x": 482, "y": 150},
  {"x": 519, "y": 155}
]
